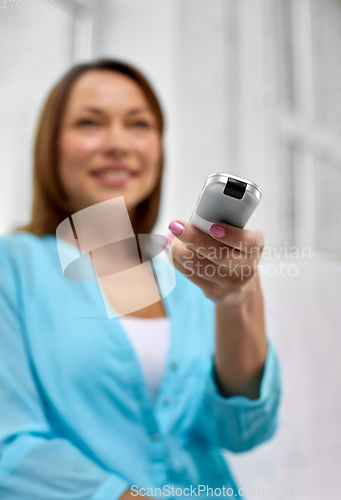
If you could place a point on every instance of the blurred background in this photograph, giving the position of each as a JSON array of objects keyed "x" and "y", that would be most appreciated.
[{"x": 250, "y": 87}]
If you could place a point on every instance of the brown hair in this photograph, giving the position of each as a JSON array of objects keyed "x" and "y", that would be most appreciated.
[{"x": 49, "y": 206}]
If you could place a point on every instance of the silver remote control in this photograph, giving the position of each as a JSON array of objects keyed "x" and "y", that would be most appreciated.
[{"x": 225, "y": 198}]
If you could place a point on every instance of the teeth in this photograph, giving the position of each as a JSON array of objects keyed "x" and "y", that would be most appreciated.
[{"x": 114, "y": 173}]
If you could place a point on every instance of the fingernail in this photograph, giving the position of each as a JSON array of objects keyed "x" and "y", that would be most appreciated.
[
  {"x": 176, "y": 227},
  {"x": 216, "y": 231},
  {"x": 164, "y": 246},
  {"x": 169, "y": 238}
]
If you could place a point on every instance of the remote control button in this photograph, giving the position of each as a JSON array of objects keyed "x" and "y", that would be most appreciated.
[{"x": 234, "y": 188}]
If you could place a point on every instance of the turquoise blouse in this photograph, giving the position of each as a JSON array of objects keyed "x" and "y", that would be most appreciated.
[{"x": 77, "y": 420}]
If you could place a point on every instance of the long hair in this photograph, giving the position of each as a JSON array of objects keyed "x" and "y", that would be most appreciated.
[{"x": 49, "y": 205}]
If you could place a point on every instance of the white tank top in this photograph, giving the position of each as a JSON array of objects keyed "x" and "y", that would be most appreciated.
[{"x": 150, "y": 338}]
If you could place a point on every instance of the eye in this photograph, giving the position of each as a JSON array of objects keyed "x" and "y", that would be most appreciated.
[
  {"x": 86, "y": 123},
  {"x": 141, "y": 124}
]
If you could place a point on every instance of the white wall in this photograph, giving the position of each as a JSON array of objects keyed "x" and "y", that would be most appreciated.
[
  {"x": 35, "y": 50},
  {"x": 303, "y": 319}
]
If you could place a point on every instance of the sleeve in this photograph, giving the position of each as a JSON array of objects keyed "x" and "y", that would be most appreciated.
[
  {"x": 35, "y": 464},
  {"x": 238, "y": 423}
]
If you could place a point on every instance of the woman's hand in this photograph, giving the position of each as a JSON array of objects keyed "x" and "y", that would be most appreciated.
[{"x": 224, "y": 265}]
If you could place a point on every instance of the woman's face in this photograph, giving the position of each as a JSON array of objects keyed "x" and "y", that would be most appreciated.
[{"x": 109, "y": 143}]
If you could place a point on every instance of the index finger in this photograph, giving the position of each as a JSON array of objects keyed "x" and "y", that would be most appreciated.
[{"x": 246, "y": 241}]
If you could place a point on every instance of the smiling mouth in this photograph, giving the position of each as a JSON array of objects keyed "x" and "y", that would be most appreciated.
[
  {"x": 114, "y": 173},
  {"x": 114, "y": 176}
]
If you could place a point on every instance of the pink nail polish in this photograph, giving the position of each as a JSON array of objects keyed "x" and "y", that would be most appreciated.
[
  {"x": 169, "y": 238},
  {"x": 176, "y": 227},
  {"x": 216, "y": 231}
]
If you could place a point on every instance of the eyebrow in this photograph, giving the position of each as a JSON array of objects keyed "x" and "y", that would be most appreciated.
[
  {"x": 138, "y": 110},
  {"x": 131, "y": 112}
]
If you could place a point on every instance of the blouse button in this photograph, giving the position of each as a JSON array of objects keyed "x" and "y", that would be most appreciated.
[
  {"x": 174, "y": 365},
  {"x": 154, "y": 437},
  {"x": 166, "y": 400}
]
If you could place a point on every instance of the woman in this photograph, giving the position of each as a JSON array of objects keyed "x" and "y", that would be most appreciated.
[{"x": 142, "y": 405}]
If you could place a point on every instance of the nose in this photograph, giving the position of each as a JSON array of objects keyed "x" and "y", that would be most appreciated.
[{"x": 117, "y": 142}]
